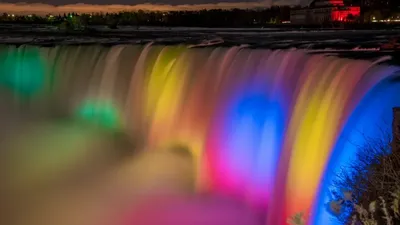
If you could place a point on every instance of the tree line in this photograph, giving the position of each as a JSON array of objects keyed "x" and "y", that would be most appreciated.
[{"x": 202, "y": 18}]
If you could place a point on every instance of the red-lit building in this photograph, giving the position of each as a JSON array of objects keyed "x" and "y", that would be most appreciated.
[{"x": 324, "y": 11}]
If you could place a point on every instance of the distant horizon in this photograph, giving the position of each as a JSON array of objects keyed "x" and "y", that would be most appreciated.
[{"x": 44, "y": 9}]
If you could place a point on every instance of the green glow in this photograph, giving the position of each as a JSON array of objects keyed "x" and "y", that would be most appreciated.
[
  {"x": 103, "y": 114},
  {"x": 22, "y": 70}
]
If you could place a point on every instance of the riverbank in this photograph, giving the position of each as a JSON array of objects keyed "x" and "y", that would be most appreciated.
[{"x": 286, "y": 26}]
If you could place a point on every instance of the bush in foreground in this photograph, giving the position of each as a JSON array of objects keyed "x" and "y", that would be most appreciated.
[
  {"x": 379, "y": 212},
  {"x": 369, "y": 187},
  {"x": 371, "y": 179}
]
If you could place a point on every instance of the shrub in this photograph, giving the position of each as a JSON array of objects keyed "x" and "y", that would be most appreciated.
[
  {"x": 379, "y": 212},
  {"x": 373, "y": 176},
  {"x": 369, "y": 186}
]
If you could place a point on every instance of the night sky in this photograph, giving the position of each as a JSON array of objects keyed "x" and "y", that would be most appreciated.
[{"x": 59, "y": 7}]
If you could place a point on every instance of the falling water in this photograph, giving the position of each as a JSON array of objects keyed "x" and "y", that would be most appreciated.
[{"x": 270, "y": 128}]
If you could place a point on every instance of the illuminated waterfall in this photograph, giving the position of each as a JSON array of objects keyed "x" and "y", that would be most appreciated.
[{"x": 266, "y": 127}]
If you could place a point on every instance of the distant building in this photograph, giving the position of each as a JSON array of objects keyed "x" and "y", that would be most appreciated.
[
  {"x": 324, "y": 11},
  {"x": 380, "y": 10},
  {"x": 381, "y": 4}
]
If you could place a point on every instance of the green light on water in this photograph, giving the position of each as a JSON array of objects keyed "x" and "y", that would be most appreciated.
[
  {"x": 103, "y": 114},
  {"x": 23, "y": 71}
]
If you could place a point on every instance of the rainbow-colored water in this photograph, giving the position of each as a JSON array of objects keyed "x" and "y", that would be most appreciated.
[{"x": 267, "y": 127}]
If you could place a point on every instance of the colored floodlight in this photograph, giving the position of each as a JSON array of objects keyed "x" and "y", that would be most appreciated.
[
  {"x": 100, "y": 113},
  {"x": 22, "y": 71}
]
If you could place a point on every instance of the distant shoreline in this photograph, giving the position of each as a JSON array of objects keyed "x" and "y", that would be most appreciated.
[{"x": 266, "y": 28}]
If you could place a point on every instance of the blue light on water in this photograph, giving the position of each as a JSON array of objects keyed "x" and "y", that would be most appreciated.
[
  {"x": 372, "y": 116},
  {"x": 254, "y": 131}
]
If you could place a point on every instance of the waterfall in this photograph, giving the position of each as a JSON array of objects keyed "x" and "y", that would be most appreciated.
[{"x": 270, "y": 128}]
